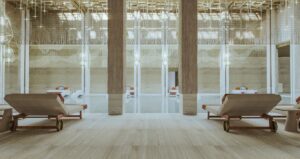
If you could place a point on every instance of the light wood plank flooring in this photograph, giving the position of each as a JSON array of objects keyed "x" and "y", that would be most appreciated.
[{"x": 149, "y": 136}]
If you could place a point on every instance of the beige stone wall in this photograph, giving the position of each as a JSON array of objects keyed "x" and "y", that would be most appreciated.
[
  {"x": 98, "y": 80},
  {"x": 209, "y": 80},
  {"x": 54, "y": 65},
  {"x": 151, "y": 81},
  {"x": 247, "y": 67},
  {"x": 43, "y": 79}
]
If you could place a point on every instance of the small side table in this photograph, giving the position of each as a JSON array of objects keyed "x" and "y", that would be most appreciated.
[
  {"x": 5, "y": 118},
  {"x": 292, "y": 120}
]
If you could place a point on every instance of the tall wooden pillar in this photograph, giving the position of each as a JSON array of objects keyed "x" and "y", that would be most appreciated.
[
  {"x": 116, "y": 56},
  {"x": 188, "y": 56}
]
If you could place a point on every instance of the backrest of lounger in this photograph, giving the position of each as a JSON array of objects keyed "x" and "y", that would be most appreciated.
[
  {"x": 36, "y": 104},
  {"x": 249, "y": 104}
]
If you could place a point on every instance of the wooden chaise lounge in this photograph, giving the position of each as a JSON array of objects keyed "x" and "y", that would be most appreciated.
[
  {"x": 42, "y": 106},
  {"x": 244, "y": 106}
]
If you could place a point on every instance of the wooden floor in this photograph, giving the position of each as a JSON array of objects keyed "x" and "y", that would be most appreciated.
[{"x": 149, "y": 136}]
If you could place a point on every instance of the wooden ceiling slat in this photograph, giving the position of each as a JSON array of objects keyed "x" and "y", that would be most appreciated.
[{"x": 155, "y": 5}]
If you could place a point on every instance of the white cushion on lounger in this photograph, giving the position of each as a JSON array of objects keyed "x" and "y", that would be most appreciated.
[
  {"x": 214, "y": 109},
  {"x": 246, "y": 104},
  {"x": 40, "y": 104}
]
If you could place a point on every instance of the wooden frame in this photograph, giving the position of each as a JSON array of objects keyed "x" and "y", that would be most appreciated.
[
  {"x": 59, "y": 121},
  {"x": 243, "y": 117},
  {"x": 58, "y": 126},
  {"x": 227, "y": 126}
]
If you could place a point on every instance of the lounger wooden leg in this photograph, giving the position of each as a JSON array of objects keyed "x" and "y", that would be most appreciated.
[
  {"x": 226, "y": 124},
  {"x": 15, "y": 124},
  {"x": 273, "y": 124},
  {"x": 80, "y": 114},
  {"x": 16, "y": 121},
  {"x": 59, "y": 122},
  {"x": 58, "y": 126},
  {"x": 208, "y": 115},
  {"x": 227, "y": 127}
]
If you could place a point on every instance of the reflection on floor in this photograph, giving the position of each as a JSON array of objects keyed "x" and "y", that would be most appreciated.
[
  {"x": 149, "y": 135},
  {"x": 142, "y": 104},
  {"x": 148, "y": 103}
]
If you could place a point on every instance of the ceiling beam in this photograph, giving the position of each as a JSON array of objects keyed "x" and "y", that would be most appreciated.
[{"x": 77, "y": 5}]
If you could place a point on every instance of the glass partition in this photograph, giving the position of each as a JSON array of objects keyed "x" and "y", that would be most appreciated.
[
  {"x": 246, "y": 56},
  {"x": 296, "y": 34},
  {"x": 131, "y": 54},
  {"x": 247, "y": 68},
  {"x": 97, "y": 35},
  {"x": 11, "y": 23},
  {"x": 282, "y": 40},
  {"x": 151, "y": 53},
  {"x": 208, "y": 74},
  {"x": 132, "y": 59},
  {"x": 171, "y": 51},
  {"x": 55, "y": 52},
  {"x": 210, "y": 35},
  {"x": 151, "y": 62},
  {"x": 232, "y": 50}
]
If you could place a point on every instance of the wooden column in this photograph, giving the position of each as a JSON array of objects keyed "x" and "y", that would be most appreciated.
[
  {"x": 188, "y": 56},
  {"x": 116, "y": 56}
]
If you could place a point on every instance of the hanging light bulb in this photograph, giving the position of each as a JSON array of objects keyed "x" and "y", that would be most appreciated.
[
  {"x": 21, "y": 5},
  {"x": 9, "y": 55},
  {"x": 271, "y": 5},
  {"x": 261, "y": 18},
  {"x": 44, "y": 10},
  {"x": 41, "y": 15},
  {"x": 35, "y": 5}
]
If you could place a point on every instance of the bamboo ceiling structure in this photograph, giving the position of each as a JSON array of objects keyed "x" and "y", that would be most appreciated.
[{"x": 204, "y": 6}]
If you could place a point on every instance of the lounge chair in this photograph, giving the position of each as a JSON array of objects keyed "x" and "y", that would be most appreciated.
[
  {"x": 42, "y": 106},
  {"x": 244, "y": 106}
]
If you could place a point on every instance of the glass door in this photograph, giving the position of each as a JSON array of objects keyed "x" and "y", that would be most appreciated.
[{"x": 11, "y": 24}]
